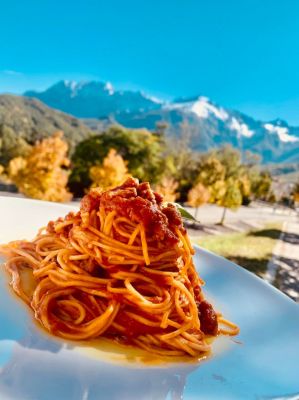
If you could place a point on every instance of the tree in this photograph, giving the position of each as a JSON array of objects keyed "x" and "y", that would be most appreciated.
[
  {"x": 161, "y": 128},
  {"x": 140, "y": 148},
  {"x": 232, "y": 198},
  {"x": 235, "y": 180},
  {"x": 295, "y": 193},
  {"x": 41, "y": 174},
  {"x": 11, "y": 145},
  {"x": 251, "y": 159},
  {"x": 212, "y": 175},
  {"x": 245, "y": 187},
  {"x": 167, "y": 187},
  {"x": 111, "y": 173},
  {"x": 182, "y": 165},
  {"x": 198, "y": 196},
  {"x": 272, "y": 198},
  {"x": 230, "y": 158},
  {"x": 223, "y": 174},
  {"x": 261, "y": 183},
  {"x": 179, "y": 161},
  {"x": 15, "y": 166},
  {"x": 4, "y": 179}
]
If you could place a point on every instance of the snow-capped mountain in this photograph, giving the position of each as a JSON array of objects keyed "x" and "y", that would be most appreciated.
[
  {"x": 281, "y": 131},
  {"x": 93, "y": 99},
  {"x": 208, "y": 124}
]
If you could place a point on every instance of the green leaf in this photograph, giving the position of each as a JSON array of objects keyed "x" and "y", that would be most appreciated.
[{"x": 184, "y": 213}]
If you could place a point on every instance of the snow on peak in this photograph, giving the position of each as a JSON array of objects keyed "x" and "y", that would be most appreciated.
[
  {"x": 241, "y": 128},
  {"x": 109, "y": 88},
  {"x": 152, "y": 98},
  {"x": 203, "y": 108},
  {"x": 70, "y": 84},
  {"x": 282, "y": 132}
]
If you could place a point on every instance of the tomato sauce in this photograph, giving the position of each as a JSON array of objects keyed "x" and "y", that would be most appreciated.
[{"x": 138, "y": 203}]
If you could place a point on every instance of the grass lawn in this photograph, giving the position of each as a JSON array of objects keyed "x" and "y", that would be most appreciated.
[{"x": 252, "y": 250}]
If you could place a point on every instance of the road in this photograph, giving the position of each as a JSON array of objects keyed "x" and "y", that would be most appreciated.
[
  {"x": 283, "y": 269},
  {"x": 254, "y": 216}
]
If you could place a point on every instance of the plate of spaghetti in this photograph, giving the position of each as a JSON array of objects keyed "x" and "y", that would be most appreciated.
[{"x": 107, "y": 300}]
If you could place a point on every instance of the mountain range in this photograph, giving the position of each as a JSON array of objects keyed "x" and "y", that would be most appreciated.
[
  {"x": 93, "y": 99},
  {"x": 209, "y": 125}
]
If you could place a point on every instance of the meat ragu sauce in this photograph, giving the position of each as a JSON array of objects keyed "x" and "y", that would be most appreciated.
[{"x": 140, "y": 204}]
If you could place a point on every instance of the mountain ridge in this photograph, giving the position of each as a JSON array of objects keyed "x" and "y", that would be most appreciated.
[
  {"x": 92, "y": 99},
  {"x": 210, "y": 125}
]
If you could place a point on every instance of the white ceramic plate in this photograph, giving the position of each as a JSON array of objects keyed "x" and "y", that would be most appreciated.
[{"x": 36, "y": 366}]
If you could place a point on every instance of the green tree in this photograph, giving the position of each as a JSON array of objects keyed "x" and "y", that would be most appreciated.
[
  {"x": 232, "y": 198},
  {"x": 11, "y": 145},
  {"x": 223, "y": 174},
  {"x": 140, "y": 148},
  {"x": 230, "y": 158},
  {"x": 261, "y": 183},
  {"x": 212, "y": 174}
]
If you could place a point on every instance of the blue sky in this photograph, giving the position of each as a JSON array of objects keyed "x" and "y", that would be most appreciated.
[{"x": 241, "y": 54}]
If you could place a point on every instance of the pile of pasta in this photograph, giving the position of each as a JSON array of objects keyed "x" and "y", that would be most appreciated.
[{"x": 122, "y": 268}]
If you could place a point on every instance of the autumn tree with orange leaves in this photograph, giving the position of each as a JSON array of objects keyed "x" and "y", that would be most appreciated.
[
  {"x": 168, "y": 188},
  {"x": 295, "y": 193},
  {"x": 42, "y": 173},
  {"x": 112, "y": 172},
  {"x": 198, "y": 196},
  {"x": 2, "y": 172}
]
